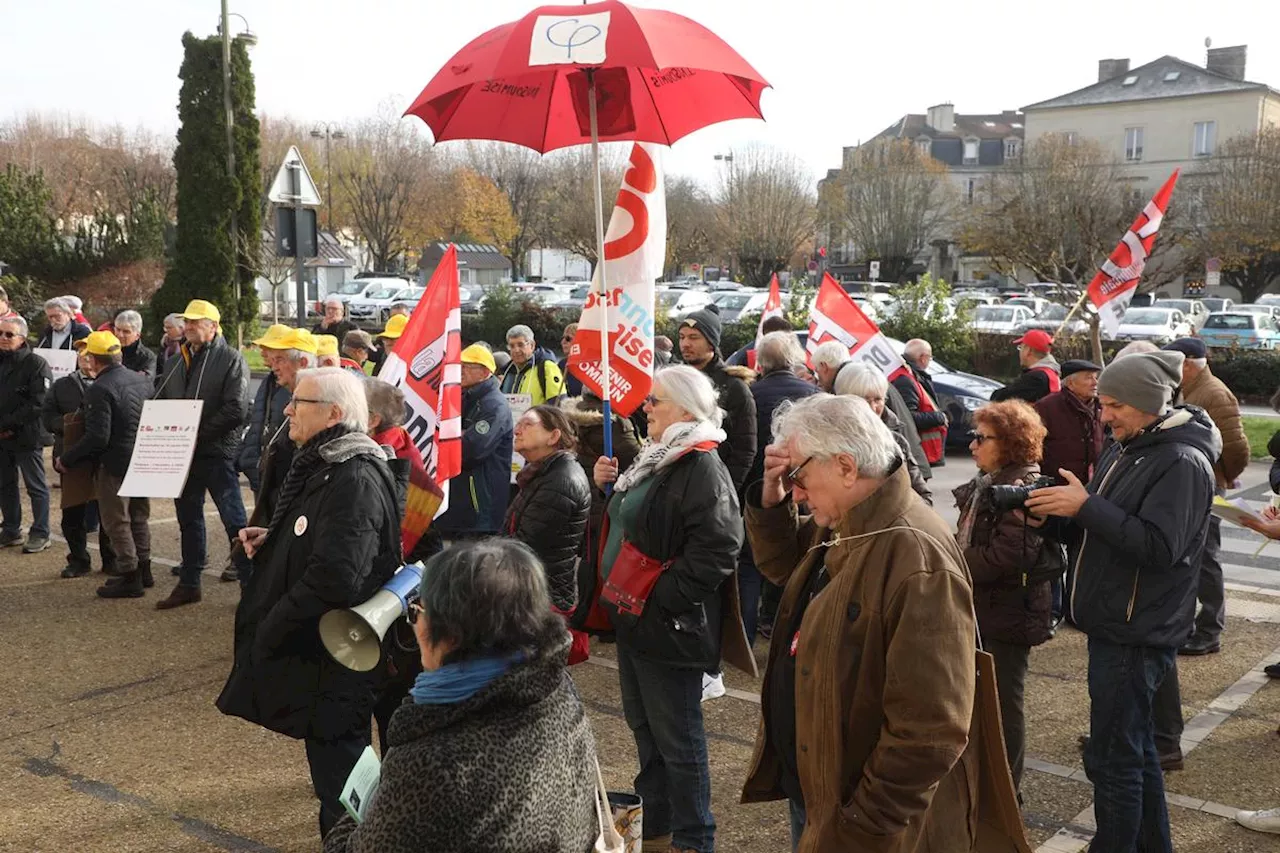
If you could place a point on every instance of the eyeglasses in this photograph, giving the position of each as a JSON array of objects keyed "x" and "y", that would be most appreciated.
[
  {"x": 413, "y": 611},
  {"x": 567, "y": 339},
  {"x": 791, "y": 479},
  {"x": 978, "y": 438},
  {"x": 654, "y": 400},
  {"x": 294, "y": 401},
  {"x": 10, "y": 335}
]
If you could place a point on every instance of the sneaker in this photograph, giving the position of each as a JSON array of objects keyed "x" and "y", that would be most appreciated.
[
  {"x": 7, "y": 539},
  {"x": 1267, "y": 820},
  {"x": 35, "y": 545},
  {"x": 712, "y": 686}
]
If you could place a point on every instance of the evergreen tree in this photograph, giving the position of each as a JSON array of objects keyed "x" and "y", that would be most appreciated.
[{"x": 204, "y": 259}]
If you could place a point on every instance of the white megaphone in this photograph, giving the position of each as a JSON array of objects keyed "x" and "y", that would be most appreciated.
[{"x": 353, "y": 637}]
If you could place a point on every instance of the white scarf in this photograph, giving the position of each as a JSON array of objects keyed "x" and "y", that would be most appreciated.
[{"x": 677, "y": 440}]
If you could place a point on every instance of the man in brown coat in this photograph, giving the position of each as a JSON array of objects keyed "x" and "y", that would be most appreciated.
[{"x": 868, "y": 699}]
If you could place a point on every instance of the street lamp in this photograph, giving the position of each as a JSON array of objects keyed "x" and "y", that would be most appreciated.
[
  {"x": 249, "y": 40},
  {"x": 727, "y": 160},
  {"x": 326, "y": 131}
]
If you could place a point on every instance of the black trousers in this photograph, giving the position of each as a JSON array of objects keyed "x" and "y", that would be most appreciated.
[
  {"x": 75, "y": 531},
  {"x": 331, "y": 762}
]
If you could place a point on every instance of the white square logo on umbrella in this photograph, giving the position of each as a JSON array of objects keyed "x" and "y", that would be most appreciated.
[{"x": 569, "y": 39}]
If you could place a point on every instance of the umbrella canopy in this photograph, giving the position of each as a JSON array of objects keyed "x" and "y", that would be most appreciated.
[{"x": 659, "y": 76}]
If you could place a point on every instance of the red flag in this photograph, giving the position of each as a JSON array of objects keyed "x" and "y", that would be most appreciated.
[
  {"x": 836, "y": 317},
  {"x": 772, "y": 308},
  {"x": 425, "y": 363},
  {"x": 1113, "y": 287}
]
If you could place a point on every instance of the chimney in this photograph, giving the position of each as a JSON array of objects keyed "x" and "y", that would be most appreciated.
[
  {"x": 942, "y": 117},
  {"x": 1227, "y": 61},
  {"x": 1109, "y": 69}
]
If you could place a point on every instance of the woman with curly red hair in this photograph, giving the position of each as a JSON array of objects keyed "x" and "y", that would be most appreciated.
[{"x": 1009, "y": 559}]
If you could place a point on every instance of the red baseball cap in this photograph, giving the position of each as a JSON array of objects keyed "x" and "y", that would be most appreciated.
[{"x": 1038, "y": 340}]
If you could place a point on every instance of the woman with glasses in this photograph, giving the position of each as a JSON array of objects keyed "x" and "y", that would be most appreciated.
[
  {"x": 572, "y": 384},
  {"x": 670, "y": 543},
  {"x": 1007, "y": 556},
  {"x": 492, "y": 750},
  {"x": 859, "y": 380}
]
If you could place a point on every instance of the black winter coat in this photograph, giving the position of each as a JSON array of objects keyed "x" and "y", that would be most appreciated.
[
  {"x": 113, "y": 408},
  {"x": 1144, "y": 524},
  {"x": 769, "y": 392},
  {"x": 66, "y": 396},
  {"x": 265, "y": 418},
  {"x": 898, "y": 429},
  {"x": 911, "y": 396},
  {"x": 738, "y": 450},
  {"x": 338, "y": 330},
  {"x": 138, "y": 358},
  {"x": 690, "y": 517},
  {"x": 509, "y": 770},
  {"x": 893, "y": 402},
  {"x": 478, "y": 496},
  {"x": 1032, "y": 385},
  {"x": 24, "y": 381},
  {"x": 549, "y": 514},
  {"x": 1002, "y": 550},
  {"x": 336, "y": 544},
  {"x": 218, "y": 375},
  {"x": 79, "y": 331}
]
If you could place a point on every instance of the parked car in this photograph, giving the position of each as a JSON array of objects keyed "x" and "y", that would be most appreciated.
[
  {"x": 1035, "y": 303},
  {"x": 1000, "y": 319},
  {"x": 1051, "y": 318},
  {"x": 1268, "y": 299},
  {"x": 1240, "y": 329},
  {"x": 361, "y": 288},
  {"x": 1193, "y": 310},
  {"x": 577, "y": 298},
  {"x": 375, "y": 308},
  {"x": 1158, "y": 325},
  {"x": 736, "y": 304},
  {"x": 1217, "y": 304},
  {"x": 681, "y": 302},
  {"x": 971, "y": 301},
  {"x": 1272, "y": 310}
]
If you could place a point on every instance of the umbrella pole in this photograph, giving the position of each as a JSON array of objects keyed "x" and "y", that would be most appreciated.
[{"x": 605, "y": 381}]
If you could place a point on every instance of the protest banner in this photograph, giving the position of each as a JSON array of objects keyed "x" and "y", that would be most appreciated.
[
  {"x": 62, "y": 362},
  {"x": 519, "y": 404},
  {"x": 162, "y": 453},
  {"x": 836, "y": 317}
]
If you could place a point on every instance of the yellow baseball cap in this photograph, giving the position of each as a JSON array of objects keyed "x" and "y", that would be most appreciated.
[
  {"x": 271, "y": 337},
  {"x": 299, "y": 339},
  {"x": 395, "y": 327},
  {"x": 325, "y": 344},
  {"x": 198, "y": 309},
  {"x": 476, "y": 354},
  {"x": 99, "y": 343}
]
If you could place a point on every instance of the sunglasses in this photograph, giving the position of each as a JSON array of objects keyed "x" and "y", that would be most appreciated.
[
  {"x": 979, "y": 438},
  {"x": 567, "y": 339},
  {"x": 10, "y": 335},
  {"x": 791, "y": 479},
  {"x": 413, "y": 611}
]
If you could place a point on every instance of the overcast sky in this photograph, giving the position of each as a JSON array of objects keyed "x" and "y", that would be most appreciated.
[{"x": 841, "y": 70}]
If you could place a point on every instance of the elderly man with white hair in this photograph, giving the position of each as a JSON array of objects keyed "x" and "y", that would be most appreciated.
[
  {"x": 918, "y": 393},
  {"x": 868, "y": 698},
  {"x": 860, "y": 380},
  {"x": 332, "y": 540},
  {"x": 24, "y": 382},
  {"x": 63, "y": 329},
  {"x": 530, "y": 371},
  {"x": 135, "y": 355},
  {"x": 334, "y": 322}
]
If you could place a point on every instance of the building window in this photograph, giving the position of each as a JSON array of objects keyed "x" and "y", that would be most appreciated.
[
  {"x": 1206, "y": 137},
  {"x": 1130, "y": 80},
  {"x": 1133, "y": 144},
  {"x": 924, "y": 146},
  {"x": 1070, "y": 137},
  {"x": 1011, "y": 148},
  {"x": 970, "y": 190},
  {"x": 971, "y": 152}
]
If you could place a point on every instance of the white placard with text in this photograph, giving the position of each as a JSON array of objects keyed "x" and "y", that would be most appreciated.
[
  {"x": 162, "y": 454},
  {"x": 519, "y": 403},
  {"x": 62, "y": 362}
]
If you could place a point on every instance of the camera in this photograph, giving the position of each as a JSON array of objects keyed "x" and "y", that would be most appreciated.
[{"x": 1005, "y": 498}]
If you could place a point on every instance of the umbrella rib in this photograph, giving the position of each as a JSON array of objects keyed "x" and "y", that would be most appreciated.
[{"x": 666, "y": 133}]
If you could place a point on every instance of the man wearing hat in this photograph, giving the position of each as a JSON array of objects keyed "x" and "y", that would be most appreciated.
[
  {"x": 327, "y": 351},
  {"x": 207, "y": 368},
  {"x": 386, "y": 339},
  {"x": 700, "y": 348},
  {"x": 1040, "y": 371},
  {"x": 1144, "y": 514},
  {"x": 356, "y": 347},
  {"x": 478, "y": 496},
  {"x": 1201, "y": 388},
  {"x": 285, "y": 351},
  {"x": 112, "y": 410}
]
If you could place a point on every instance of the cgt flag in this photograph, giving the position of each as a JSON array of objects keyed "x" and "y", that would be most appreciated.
[
  {"x": 635, "y": 253},
  {"x": 836, "y": 317},
  {"x": 1113, "y": 287},
  {"x": 772, "y": 308},
  {"x": 425, "y": 364}
]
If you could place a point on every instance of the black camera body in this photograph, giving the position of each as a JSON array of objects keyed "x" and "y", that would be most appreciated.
[{"x": 1006, "y": 498}]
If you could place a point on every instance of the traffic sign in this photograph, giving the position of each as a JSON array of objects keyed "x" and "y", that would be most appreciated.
[
  {"x": 813, "y": 266},
  {"x": 873, "y": 271},
  {"x": 1212, "y": 278},
  {"x": 695, "y": 267},
  {"x": 282, "y": 188}
]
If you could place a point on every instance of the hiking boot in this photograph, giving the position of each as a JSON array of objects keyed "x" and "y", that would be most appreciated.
[
  {"x": 35, "y": 544},
  {"x": 126, "y": 586},
  {"x": 181, "y": 595},
  {"x": 144, "y": 571},
  {"x": 74, "y": 571},
  {"x": 7, "y": 539},
  {"x": 1171, "y": 761}
]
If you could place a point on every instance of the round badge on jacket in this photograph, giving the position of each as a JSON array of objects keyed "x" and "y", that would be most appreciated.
[
  {"x": 300, "y": 526},
  {"x": 482, "y": 427}
]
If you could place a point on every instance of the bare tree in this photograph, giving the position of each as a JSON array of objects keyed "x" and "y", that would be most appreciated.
[
  {"x": 691, "y": 218},
  {"x": 891, "y": 200},
  {"x": 571, "y": 211},
  {"x": 524, "y": 179},
  {"x": 766, "y": 210}
]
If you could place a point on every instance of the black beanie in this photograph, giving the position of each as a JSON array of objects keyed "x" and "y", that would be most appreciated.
[{"x": 707, "y": 322}]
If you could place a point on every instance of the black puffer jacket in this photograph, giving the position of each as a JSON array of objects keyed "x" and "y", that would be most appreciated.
[
  {"x": 66, "y": 396},
  {"x": 689, "y": 517},
  {"x": 738, "y": 450},
  {"x": 1144, "y": 524},
  {"x": 898, "y": 429},
  {"x": 769, "y": 392},
  {"x": 335, "y": 545},
  {"x": 24, "y": 381},
  {"x": 549, "y": 514},
  {"x": 529, "y": 780},
  {"x": 138, "y": 358},
  {"x": 218, "y": 375},
  {"x": 113, "y": 408}
]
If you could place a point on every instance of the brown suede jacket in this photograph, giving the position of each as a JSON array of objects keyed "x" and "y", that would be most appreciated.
[
  {"x": 885, "y": 676},
  {"x": 1209, "y": 393}
]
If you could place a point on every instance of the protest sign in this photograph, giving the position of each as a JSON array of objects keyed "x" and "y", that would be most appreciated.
[
  {"x": 62, "y": 362},
  {"x": 162, "y": 453},
  {"x": 519, "y": 403}
]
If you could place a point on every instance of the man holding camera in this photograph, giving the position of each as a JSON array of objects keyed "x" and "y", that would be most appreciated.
[{"x": 1144, "y": 515}]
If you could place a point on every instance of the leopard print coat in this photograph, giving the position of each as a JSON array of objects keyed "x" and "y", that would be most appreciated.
[{"x": 510, "y": 770}]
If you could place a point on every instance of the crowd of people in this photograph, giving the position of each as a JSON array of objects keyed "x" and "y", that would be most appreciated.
[{"x": 772, "y": 495}]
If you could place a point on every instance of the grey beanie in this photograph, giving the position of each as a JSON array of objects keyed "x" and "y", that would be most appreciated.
[
  {"x": 707, "y": 323},
  {"x": 1145, "y": 380}
]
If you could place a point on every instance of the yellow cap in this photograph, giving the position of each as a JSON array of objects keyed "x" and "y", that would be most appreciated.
[
  {"x": 299, "y": 339},
  {"x": 395, "y": 327},
  {"x": 198, "y": 309},
  {"x": 476, "y": 354},
  {"x": 272, "y": 336},
  {"x": 99, "y": 343},
  {"x": 326, "y": 345}
]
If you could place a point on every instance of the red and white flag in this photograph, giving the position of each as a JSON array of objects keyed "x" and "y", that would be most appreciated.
[
  {"x": 836, "y": 317},
  {"x": 635, "y": 253},
  {"x": 772, "y": 308},
  {"x": 425, "y": 363},
  {"x": 1114, "y": 285}
]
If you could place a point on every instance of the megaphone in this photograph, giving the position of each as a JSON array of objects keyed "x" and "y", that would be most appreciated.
[{"x": 353, "y": 637}]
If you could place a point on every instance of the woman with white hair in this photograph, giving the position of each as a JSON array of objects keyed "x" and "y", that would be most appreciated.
[
  {"x": 332, "y": 541},
  {"x": 671, "y": 536},
  {"x": 860, "y": 380}
]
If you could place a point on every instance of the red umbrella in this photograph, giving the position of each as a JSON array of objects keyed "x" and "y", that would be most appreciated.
[{"x": 658, "y": 77}]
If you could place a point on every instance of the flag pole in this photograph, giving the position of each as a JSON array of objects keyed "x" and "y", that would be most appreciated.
[
  {"x": 1071, "y": 313},
  {"x": 605, "y": 381}
]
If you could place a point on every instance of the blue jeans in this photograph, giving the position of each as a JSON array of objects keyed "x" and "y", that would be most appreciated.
[
  {"x": 798, "y": 818},
  {"x": 29, "y": 464},
  {"x": 749, "y": 582},
  {"x": 218, "y": 477},
  {"x": 1121, "y": 758},
  {"x": 663, "y": 708}
]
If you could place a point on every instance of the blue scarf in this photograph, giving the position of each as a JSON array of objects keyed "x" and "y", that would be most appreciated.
[{"x": 457, "y": 682}]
